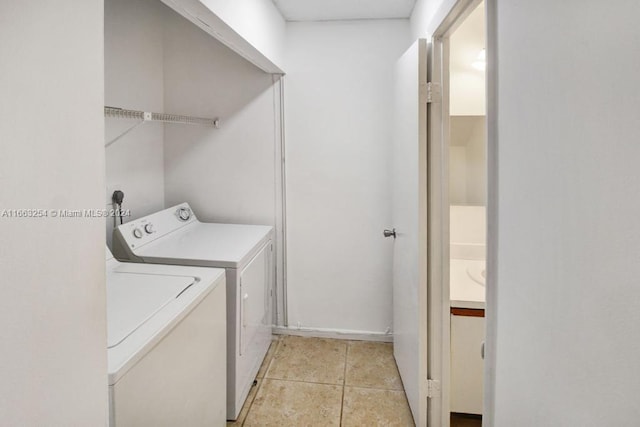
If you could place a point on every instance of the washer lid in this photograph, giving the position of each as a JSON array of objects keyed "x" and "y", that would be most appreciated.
[{"x": 134, "y": 298}]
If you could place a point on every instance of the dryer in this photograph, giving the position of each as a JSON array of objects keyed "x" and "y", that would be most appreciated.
[
  {"x": 176, "y": 236},
  {"x": 166, "y": 330}
]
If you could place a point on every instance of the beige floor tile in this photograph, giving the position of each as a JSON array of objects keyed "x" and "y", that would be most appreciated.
[
  {"x": 247, "y": 405},
  {"x": 371, "y": 407},
  {"x": 268, "y": 357},
  {"x": 316, "y": 360},
  {"x": 290, "y": 403},
  {"x": 371, "y": 364}
]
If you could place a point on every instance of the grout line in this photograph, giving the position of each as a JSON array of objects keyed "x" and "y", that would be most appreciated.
[
  {"x": 273, "y": 356},
  {"x": 258, "y": 387},
  {"x": 344, "y": 380},
  {"x": 301, "y": 381},
  {"x": 276, "y": 350},
  {"x": 281, "y": 342},
  {"x": 250, "y": 405},
  {"x": 379, "y": 387},
  {"x": 334, "y": 384},
  {"x": 375, "y": 388},
  {"x": 346, "y": 356},
  {"x": 261, "y": 381}
]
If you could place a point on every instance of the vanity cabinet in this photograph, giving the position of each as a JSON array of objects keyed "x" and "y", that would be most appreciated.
[{"x": 467, "y": 335}]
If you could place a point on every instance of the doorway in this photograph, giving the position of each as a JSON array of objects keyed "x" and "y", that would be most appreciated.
[
  {"x": 458, "y": 67},
  {"x": 467, "y": 218}
]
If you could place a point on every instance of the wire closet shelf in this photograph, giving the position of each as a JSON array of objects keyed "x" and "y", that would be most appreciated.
[{"x": 145, "y": 116}]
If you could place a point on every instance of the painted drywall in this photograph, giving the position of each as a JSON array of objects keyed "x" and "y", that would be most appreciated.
[
  {"x": 467, "y": 83},
  {"x": 226, "y": 174},
  {"x": 457, "y": 174},
  {"x": 467, "y": 93},
  {"x": 338, "y": 100},
  {"x": 468, "y": 232},
  {"x": 53, "y": 308},
  {"x": 467, "y": 160},
  {"x": 565, "y": 291},
  {"x": 134, "y": 79},
  {"x": 468, "y": 225},
  {"x": 257, "y": 21},
  {"x": 426, "y": 15}
]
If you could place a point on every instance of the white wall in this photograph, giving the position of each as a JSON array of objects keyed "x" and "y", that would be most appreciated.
[
  {"x": 467, "y": 83},
  {"x": 257, "y": 21},
  {"x": 566, "y": 295},
  {"x": 53, "y": 310},
  {"x": 134, "y": 36},
  {"x": 338, "y": 98},
  {"x": 457, "y": 174},
  {"x": 425, "y": 15},
  {"x": 468, "y": 225},
  {"x": 467, "y": 160},
  {"x": 226, "y": 174},
  {"x": 477, "y": 162},
  {"x": 467, "y": 93}
]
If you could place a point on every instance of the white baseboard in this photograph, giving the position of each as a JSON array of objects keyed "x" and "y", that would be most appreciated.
[{"x": 333, "y": 333}]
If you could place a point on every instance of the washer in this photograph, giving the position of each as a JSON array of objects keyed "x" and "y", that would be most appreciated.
[
  {"x": 166, "y": 329},
  {"x": 175, "y": 236}
]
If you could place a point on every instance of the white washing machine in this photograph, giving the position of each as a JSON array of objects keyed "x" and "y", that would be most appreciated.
[
  {"x": 166, "y": 329},
  {"x": 175, "y": 236}
]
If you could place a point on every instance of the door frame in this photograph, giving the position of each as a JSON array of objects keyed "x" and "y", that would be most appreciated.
[
  {"x": 437, "y": 242},
  {"x": 447, "y": 19}
]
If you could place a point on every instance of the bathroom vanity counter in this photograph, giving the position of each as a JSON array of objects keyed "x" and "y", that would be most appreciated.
[{"x": 466, "y": 278}]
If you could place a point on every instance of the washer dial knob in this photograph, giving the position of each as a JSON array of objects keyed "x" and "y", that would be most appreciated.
[
  {"x": 137, "y": 233},
  {"x": 183, "y": 214},
  {"x": 149, "y": 228}
]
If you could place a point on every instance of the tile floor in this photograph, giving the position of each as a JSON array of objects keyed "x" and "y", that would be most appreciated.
[{"x": 326, "y": 382}]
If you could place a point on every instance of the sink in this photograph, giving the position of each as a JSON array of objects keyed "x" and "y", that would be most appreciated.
[
  {"x": 477, "y": 273},
  {"x": 467, "y": 282}
]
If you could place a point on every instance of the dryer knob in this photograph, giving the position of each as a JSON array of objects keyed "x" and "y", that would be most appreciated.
[
  {"x": 184, "y": 214},
  {"x": 149, "y": 228},
  {"x": 137, "y": 233}
]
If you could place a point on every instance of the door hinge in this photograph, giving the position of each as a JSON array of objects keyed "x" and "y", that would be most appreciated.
[
  {"x": 433, "y": 388},
  {"x": 434, "y": 92}
]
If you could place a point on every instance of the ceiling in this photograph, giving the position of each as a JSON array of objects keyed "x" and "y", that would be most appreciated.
[{"x": 335, "y": 10}]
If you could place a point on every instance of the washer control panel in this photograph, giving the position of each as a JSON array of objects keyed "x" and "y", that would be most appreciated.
[{"x": 149, "y": 228}]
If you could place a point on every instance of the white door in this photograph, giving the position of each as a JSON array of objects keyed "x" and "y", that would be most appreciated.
[{"x": 409, "y": 216}]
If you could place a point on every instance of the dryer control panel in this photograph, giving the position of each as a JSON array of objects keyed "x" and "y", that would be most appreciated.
[{"x": 149, "y": 228}]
